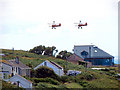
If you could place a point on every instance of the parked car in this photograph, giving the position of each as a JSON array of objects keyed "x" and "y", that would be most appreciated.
[{"x": 73, "y": 72}]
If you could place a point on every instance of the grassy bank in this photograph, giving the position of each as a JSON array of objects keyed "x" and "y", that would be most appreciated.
[{"x": 89, "y": 79}]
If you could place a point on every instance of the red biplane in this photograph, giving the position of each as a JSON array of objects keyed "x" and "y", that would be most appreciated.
[
  {"x": 80, "y": 24},
  {"x": 54, "y": 25}
]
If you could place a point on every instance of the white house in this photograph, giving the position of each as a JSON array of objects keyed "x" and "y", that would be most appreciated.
[
  {"x": 22, "y": 81},
  {"x": 5, "y": 66},
  {"x": 4, "y": 73},
  {"x": 15, "y": 67},
  {"x": 56, "y": 68}
]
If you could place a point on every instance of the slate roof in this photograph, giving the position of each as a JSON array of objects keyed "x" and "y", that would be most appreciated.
[
  {"x": 99, "y": 53},
  {"x": 6, "y": 62},
  {"x": 16, "y": 75},
  {"x": 56, "y": 64},
  {"x": 13, "y": 63},
  {"x": 93, "y": 51}
]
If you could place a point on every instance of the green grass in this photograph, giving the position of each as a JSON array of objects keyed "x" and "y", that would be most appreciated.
[
  {"x": 34, "y": 59},
  {"x": 73, "y": 85}
]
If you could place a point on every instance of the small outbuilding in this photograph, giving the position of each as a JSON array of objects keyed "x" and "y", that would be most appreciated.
[
  {"x": 56, "y": 68},
  {"x": 20, "y": 81}
]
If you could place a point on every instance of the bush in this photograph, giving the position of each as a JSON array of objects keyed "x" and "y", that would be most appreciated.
[
  {"x": 83, "y": 83},
  {"x": 32, "y": 73},
  {"x": 49, "y": 80},
  {"x": 45, "y": 86},
  {"x": 87, "y": 76},
  {"x": 105, "y": 69},
  {"x": 44, "y": 72},
  {"x": 64, "y": 79},
  {"x": 9, "y": 86}
]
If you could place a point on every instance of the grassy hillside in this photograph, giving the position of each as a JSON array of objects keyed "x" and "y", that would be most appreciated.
[
  {"x": 34, "y": 59},
  {"x": 89, "y": 79}
]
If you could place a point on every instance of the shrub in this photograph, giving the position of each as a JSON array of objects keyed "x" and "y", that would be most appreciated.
[
  {"x": 45, "y": 86},
  {"x": 83, "y": 83},
  {"x": 44, "y": 72},
  {"x": 105, "y": 69},
  {"x": 32, "y": 73},
  {"x": 87, "y": 76},
  {"x": 49, "y": 80},
  {"x": 64, "y": 79}
]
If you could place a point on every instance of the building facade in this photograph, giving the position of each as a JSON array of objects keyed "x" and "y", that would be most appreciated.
[
  {"x": 75, "y": 59},
  {"x": 22, "y": 81},
  {"x": 94, "y": 55},
  {"x": 56, "y": 68},
  {"x": 15, "y": 67}
]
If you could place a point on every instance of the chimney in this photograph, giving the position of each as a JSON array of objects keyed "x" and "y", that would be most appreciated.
[{"x": 17, "y": 60}]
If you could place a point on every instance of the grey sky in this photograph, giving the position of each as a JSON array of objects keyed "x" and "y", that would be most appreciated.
[{"x": 24, "y": 24}]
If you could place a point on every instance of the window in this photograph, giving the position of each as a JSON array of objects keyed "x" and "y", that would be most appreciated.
[
  {"x": 12, "y": 68},
  {"x": 45, "y": 64},
  {"x": 27, "y": 72},
  {"x": 5, "y": 76},
  {"x": 95, "y": 51},
  {"x": 16, "y": 69}
]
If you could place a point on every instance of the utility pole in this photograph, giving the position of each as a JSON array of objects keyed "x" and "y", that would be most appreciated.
[
  {"x": 13, "y": 52},
  {"x": 66, "y": 63}
]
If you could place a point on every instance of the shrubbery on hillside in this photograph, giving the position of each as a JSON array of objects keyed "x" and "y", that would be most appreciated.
[
  {"x": 89, "y": 79},
  {"x": 44, "y": 72},
  {"x": 49, "y": 80},
  {"x": 8, "y": 86}
]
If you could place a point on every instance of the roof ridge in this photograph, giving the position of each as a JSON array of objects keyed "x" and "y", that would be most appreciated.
[
  {"x": 13, "y": 63},
  {"x": 22, "y": 77},
  {"x": 84, "y": 45},
  {"x": 5, "y": 62},
  {"x": 55, "y": 64}
]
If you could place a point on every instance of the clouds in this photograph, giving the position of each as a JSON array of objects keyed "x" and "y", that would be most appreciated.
[{"x": 24, "y": 23}]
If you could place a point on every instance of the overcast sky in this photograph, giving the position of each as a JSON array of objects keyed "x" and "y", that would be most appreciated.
[{"x": 24, "y": 24}]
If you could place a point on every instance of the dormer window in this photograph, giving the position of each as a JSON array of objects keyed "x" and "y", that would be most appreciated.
[{"x": 95, "y": 51}]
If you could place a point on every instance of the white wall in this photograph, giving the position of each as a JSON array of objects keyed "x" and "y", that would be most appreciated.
[
  {"x": 7, "y": 68},
  {"x": 23, "y": 82},
  {"x": 55, "y": 69}
]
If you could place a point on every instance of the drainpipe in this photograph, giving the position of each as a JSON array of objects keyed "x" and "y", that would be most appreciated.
[{"x": 89, "y": 52}]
